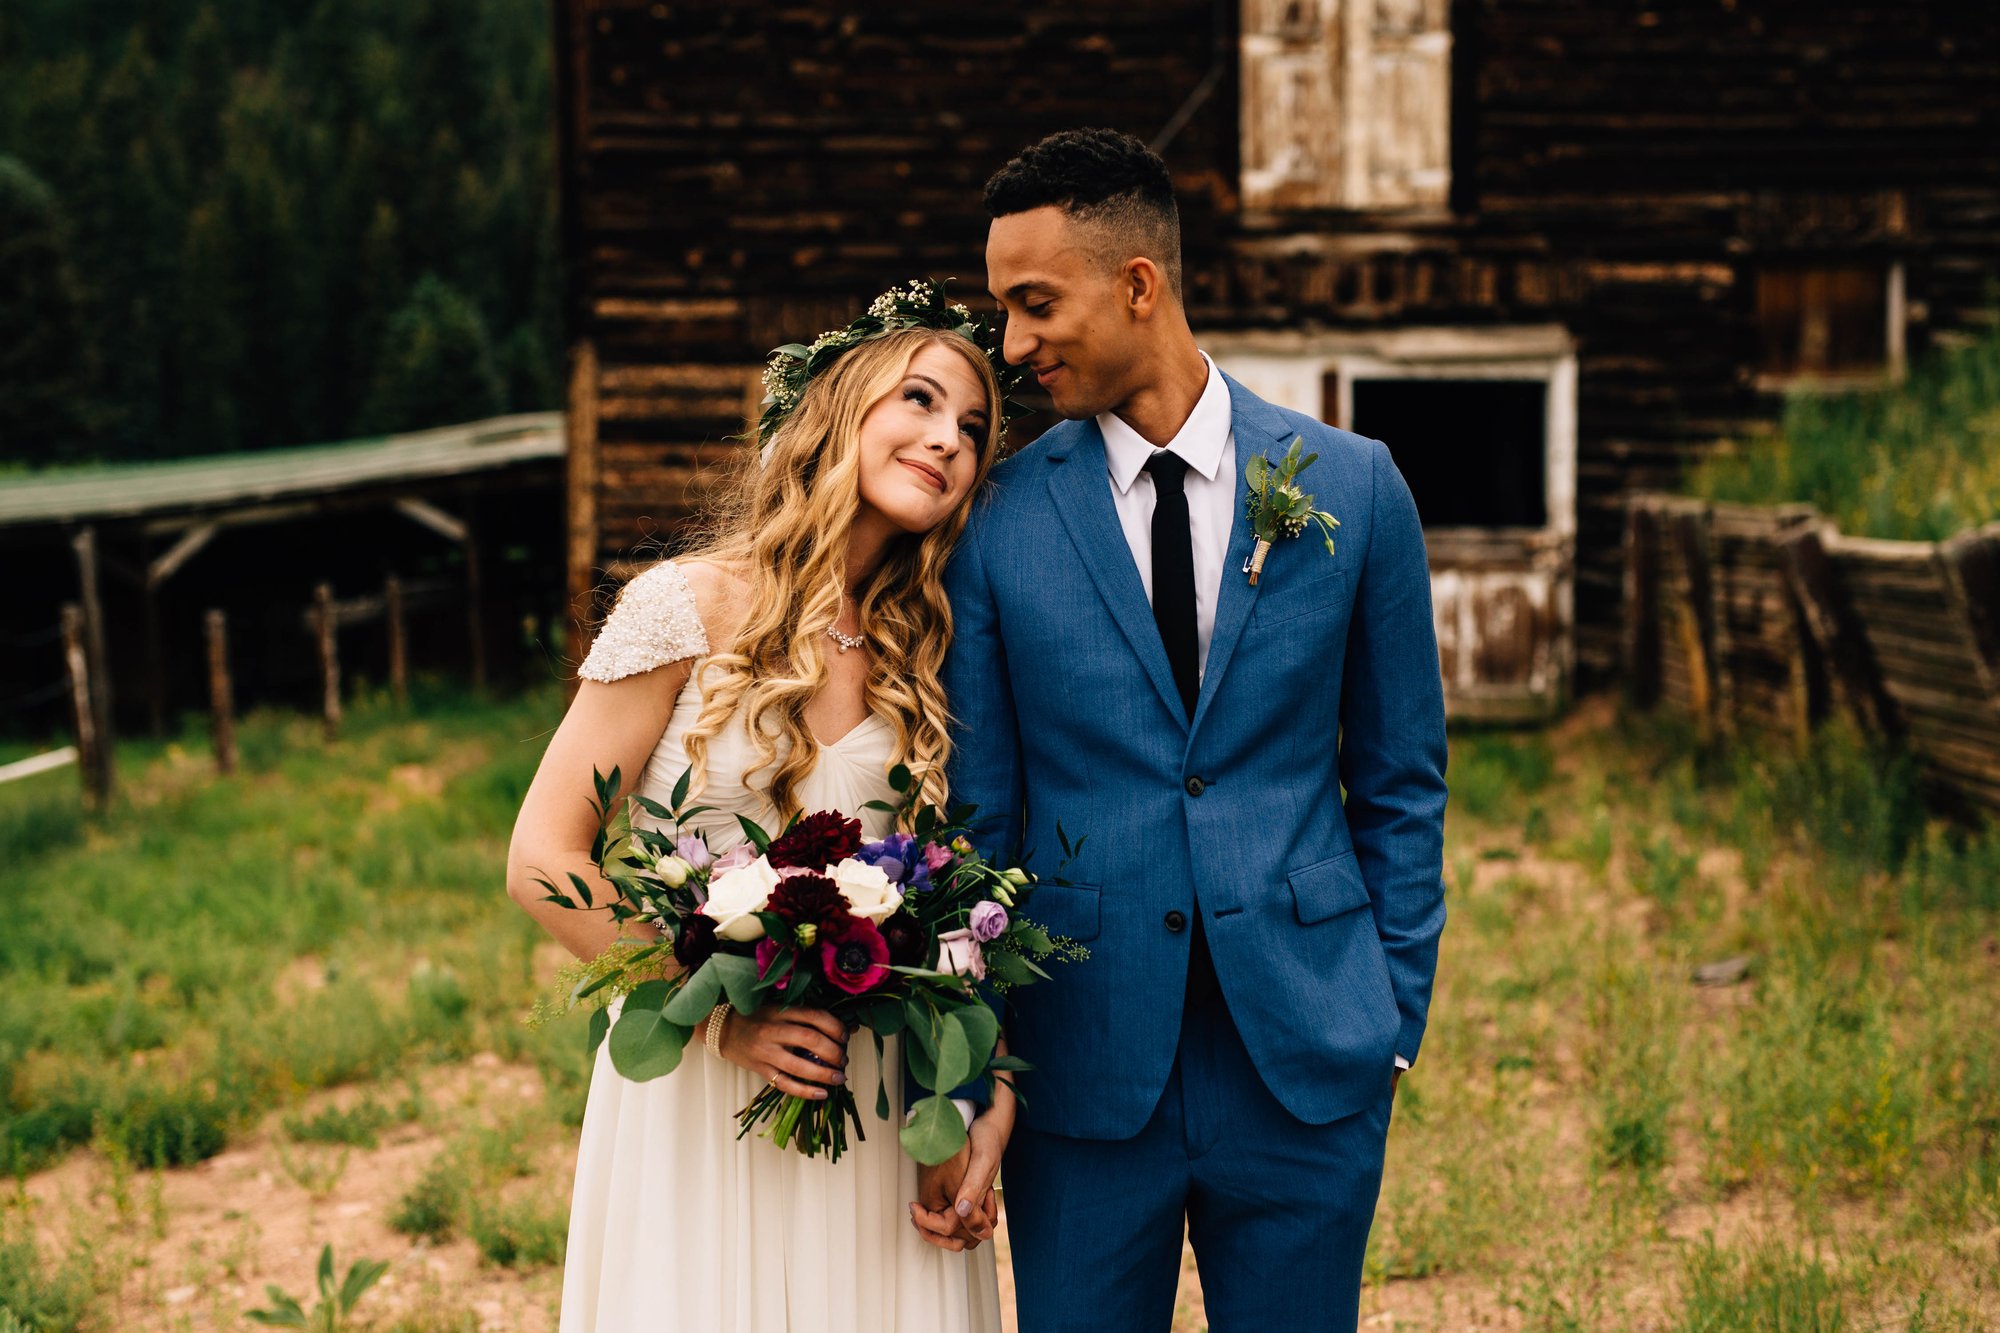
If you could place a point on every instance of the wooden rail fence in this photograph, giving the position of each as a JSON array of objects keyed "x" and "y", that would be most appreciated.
[{"x": 1748, "y": 618}]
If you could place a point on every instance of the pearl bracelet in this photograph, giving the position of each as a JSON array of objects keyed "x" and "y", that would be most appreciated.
[{"x": 712, "y": 1037}]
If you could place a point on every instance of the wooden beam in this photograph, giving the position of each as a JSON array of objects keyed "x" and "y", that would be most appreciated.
[
  {"x": 182, "y": 551},
  {"x": 41, "y": 763},
  {"x": 422, "y": 511}
]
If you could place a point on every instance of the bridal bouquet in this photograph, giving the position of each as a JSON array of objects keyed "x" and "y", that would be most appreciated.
[{"x": 890, "y": 934}]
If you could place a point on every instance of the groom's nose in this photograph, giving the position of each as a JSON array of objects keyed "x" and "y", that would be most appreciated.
[{"x": 1018, "y": 344}]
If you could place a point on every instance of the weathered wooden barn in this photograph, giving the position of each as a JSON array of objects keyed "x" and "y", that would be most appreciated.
[{"x": 1549, "y": 250}]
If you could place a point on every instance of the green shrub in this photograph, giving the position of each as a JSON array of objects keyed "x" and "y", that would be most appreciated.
[
  {"x": 41, "y": 1296},
  {"x": 356, "y": 1126},
  {"x": 161, "y": 1127},
  {"x": 519, "y": 1235},
  {"x": 430, "y": 1209}
]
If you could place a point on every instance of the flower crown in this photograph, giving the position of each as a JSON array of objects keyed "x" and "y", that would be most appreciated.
[{"x": 921, "y": 305}]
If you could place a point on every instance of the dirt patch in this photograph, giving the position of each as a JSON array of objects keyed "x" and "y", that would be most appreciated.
[{"x": 194, "y": 1248}]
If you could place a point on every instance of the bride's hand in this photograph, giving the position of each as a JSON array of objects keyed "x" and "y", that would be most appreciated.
[
  {"x": 797, "y": 1051},
  {"x": 957, "y": 1207}
]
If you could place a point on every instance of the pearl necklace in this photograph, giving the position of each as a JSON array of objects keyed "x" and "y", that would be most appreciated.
[{"x": 846, "y": 641}]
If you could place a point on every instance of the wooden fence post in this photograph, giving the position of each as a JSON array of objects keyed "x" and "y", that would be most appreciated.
[
  {"x": 1642, "y": 599},
  {"x": 221, "y": 698},
  {"x": 329, "y": 658},
  {"x": 84, "y": 543},
  {"x": 90, "y": 742},
  {"x": 1697, "y": 619},
  {"x": 399, "y": 653}
]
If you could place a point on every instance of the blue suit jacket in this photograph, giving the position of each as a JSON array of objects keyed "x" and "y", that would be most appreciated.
[{"x": 1322, "y": 913}]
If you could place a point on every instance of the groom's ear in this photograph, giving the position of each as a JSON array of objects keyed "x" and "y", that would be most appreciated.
[{"x": 1145, "y": 287}]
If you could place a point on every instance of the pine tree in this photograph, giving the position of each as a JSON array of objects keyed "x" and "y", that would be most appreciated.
[
  {"x": 436, "y": 364},
  {"x": 44, "y": 412}
]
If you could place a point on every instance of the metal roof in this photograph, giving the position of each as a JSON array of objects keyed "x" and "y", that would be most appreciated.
[{"x": 219, "y": 481}]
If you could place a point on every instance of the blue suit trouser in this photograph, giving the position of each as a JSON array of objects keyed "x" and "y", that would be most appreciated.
[{"x": 1277, "y": 1211}]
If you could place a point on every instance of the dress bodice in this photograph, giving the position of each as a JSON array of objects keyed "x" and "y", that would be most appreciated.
[{"x": 655, "y": 624}]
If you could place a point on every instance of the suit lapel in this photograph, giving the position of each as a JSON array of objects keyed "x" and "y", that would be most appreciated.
[
  {"x": 1080, "y": 484},
  {"x": 1257, "y": 427}
]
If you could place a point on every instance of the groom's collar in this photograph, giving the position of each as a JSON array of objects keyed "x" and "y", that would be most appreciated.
[{"x": 1200, "y": 440}]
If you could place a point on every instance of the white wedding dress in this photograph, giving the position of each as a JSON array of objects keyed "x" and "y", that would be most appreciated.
[{"x": 675, "y": 1223}]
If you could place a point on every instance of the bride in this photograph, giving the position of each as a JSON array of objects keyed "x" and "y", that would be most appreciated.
[{"x": 792, "y": 663}]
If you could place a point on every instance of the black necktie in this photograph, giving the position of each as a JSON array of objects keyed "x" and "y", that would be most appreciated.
[{"x": 1173, "y": 571}]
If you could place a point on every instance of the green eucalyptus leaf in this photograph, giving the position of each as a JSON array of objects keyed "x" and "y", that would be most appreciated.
[
  {"x": 697, "y": 995},
  {"x": 645, "y": 1044},
  {"x": 936, "y": 1131},
  {"x": 739, "y": 979},
  {"x": 600, "y": 1023},
  {"x": 954, "y": 1053}
]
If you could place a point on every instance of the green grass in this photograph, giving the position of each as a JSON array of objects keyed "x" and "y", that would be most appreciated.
[
  {"x": 1918, "y": 461},
  {"x": 210, "y": 948},
  {"x": 191, "y": 964},
  {"x": 1581, "y": 1108}
]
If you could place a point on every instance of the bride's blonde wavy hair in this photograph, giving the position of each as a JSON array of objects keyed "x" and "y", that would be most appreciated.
[{"x": 784, "y": 528}]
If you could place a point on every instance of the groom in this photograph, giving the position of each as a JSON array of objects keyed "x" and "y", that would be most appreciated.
[{"x": 1257, "y": 772}]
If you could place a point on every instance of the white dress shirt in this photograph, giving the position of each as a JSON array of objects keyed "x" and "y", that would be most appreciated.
[{"x": 1207, "y": 444}]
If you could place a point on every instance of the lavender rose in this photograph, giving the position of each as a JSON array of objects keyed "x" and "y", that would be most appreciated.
[{"x": 989, "y": 922}]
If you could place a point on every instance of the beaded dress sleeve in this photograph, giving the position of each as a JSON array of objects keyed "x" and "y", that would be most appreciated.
[{"x": 654, "y": 623}]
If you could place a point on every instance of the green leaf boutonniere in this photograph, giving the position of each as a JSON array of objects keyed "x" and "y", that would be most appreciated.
[{"x": 1278, "y": 508}]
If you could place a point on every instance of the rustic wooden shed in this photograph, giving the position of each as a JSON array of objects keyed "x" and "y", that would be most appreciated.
[{"x": 1549, "y": 250}]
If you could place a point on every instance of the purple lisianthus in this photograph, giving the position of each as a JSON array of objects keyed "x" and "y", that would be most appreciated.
[
  {"x": 988, "y": 922},
  {"x": 694, "y": 851}
]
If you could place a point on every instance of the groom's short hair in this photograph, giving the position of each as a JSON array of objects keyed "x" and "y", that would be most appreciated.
[{"x": 1111, "y": 183}]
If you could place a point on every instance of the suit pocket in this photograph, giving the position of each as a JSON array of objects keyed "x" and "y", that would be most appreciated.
[
  {"x": 1325, "y": 889},
  {"x": 1065, "y": 909},
  {"x": 1321, "y": 592}
]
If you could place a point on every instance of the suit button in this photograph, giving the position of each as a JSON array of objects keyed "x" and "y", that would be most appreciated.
[
  {"x": 1176, "y": 922},
  {"x": 1195, "y": 786}
]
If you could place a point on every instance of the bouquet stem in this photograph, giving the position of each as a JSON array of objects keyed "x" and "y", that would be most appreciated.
[{"x": 811, "y": 1126}]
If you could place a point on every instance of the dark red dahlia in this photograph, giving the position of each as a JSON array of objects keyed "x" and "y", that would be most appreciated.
[
  {"x": 905, "y": 939},
  {"x": 854, "y": 957},
  {"x": 816, "y": 842},
  {"x": 695, "y": 941},
  {"x": 809, "y": 900}
]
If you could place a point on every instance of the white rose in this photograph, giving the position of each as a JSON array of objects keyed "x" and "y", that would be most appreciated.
[
  {"x": 673, "y": 871},
  {"x": 735, "y": 895},
  {"x": 868, "y": 891}
]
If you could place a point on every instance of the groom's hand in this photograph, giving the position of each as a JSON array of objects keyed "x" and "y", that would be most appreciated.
[{"x": 934, "y": 1212}]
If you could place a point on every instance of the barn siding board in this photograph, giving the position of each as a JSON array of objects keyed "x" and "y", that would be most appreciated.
[
  {"x": 1620, "y": 170},
  {"x": 1901, "y": 632}
]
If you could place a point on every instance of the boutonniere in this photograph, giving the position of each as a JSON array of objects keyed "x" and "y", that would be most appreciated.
[{"x": 1278, "y": 508}]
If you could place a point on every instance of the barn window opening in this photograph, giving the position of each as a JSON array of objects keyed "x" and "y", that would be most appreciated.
[
  {"x": 1474, "y": 451},
  {"x": 1829, "y": 321}
]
